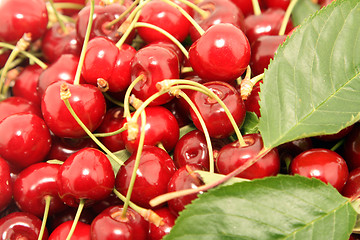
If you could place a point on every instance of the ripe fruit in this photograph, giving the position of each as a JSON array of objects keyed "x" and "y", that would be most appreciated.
[{"x": 5, "y": 185}]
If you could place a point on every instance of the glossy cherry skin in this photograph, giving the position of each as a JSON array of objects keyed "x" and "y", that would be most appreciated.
[
  {"x": 184, "y": 178},
  {"x": 22, "y": 16},
  {"x": 25, "y": 139},
  {"x": 103, "y": 59},
  {"x": 252, "y": 101},
  {"x": 109, "y": 225},
  {"x": 171, "y": 46},
  {"x": 26, "y": 83},
  {"x": 352, "y": 148},
  {"x": 56, "y": 42},
  {"x": 167, "y": 17},
  {"x": 232, "y": 156},
  {"x": 161, "y": 127},
  {"x": 220, "y": 11},
  {"x": 13, "y": 105},
  {"x": 246, "y": 6},
  {"x": 82, "y": 231},
  {"x": 21, "y": 225},
  {"x": 215, "y": 118},
  {"x": 323, "y": 164},
  {"x": 352, "y": 185},
  {"x": 283, "y": 4},
  {"x": 181, "y": 116},
  {"x": 221, "y": 54},
  {"x": 87, "y": 101},
  {"x": 33, "y": 184},
  {"x": 168, "y": 219},
  {"x": 155, "y": 64},
  {"x": 86, "y": 174},
  {"x": 155, "y": 170},
  {"x": 6, "y": 186}
]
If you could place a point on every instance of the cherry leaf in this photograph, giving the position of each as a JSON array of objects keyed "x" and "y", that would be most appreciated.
[
  {"x": 302, "y": 10},
  {"x": 312, "y": 87},
  {"x": 282, "y": 207},
  {"x": 208, "y": 178},
  {"x": 250, "y": 124},
  {"x": 122, "y": 155}
]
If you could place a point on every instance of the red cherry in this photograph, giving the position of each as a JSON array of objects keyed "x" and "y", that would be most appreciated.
[
  {"x": 82, "y": 231},
  {"x": 246, "y": 6},
  {"x": 86, "y": 100},
  {"x": 252, "y": 101},
  {"x": 232, "y": 156},
  {"x": 21, "y": 225},
  {"x": 215, "y": 118},
  {"x": 86, "y": 174},
  {"x": 324, "y": 3},
  {"x": 70, "y": 12},
  {"x": 337, "y": 136},
  {"x": 323, "y": 164},
  {"x": 352, "y": 185},
  {"x": 171, "y": 46},
  {"x": 352, "y": 148},
  {"x": 155, "y": 170},
  {"x": 6, "y": 188},
  {"x": 25, "y": 139},
  {"x": 22, "y": 16},
  {"x": 33, "y": 184},
  {"x": 4, "y": 55},
  {"x": 13, "y": 105},
  {"x": 222, "y": 53},
  {"x": 283, "y": 4},
  {"x": 168, "y": 221},
  {"x": 181, "y": 116}
]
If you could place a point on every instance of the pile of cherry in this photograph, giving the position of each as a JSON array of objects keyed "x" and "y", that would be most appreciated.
[{"x": 66, "y": 122}]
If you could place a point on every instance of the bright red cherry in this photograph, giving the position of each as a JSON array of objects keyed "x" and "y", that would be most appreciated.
[
  {"x": 22, "y": 16},
  {"x": 82, "y": 231},
  {"x": 25, "y": 139},
  {"x": 252, "y": 101},
  {"x": 352, "y": 185},
  {"x": 283, "y": 4},
  {"x": 246, "y": 6},
  {"x": 87, "y": 101},
  {"x": 323, "y": 164},
  {"x": 232, "y": 156},
  {"x": 13, "y": 105},
  {"x": 155, "y": 170},
  {"x": 6, "y": 186},
  {"x": 222, "y": 53},
  {"x": 168, "y": 221}
]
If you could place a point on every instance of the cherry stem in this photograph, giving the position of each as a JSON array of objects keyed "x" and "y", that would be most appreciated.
[
  {"x": 76, "y": 219},
  {"x": 86, "y": 40},
  {"x": 338, "y": 144},
  {"x": 202, "y": 12},
  {"x": 46, "y": 213},
  {"x": 136, "y": 164},
  {"x": 247, "y": 85},
  {"x": 171, "y": 195},
  {"x": 127, "y": 95},
  {"x": 60, "y": 21},
  {"x": 287, "y": 17},
  {"x": 89, "y": 133},
  {"x": 186, "y": 69},
  {"x": 167, "y": 34},
  {"x": 116, "y": 102},
  {"x": 109, "y": 134},
  {"x": 256, "y": 7},
  {"x": 127, "y": 11}
]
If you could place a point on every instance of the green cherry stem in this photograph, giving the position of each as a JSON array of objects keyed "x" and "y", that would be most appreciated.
[
  {"x": 65, "y": 95},
  {"x": 247, "y": 85},
  {"x": 204, "y": 14},
  {"x": 44, "y": 220},
  {"x": 127, "y": 94},
  {"x": 127, "y": 11},
  {"x": 113, "y": 100},
  {"x": 76, "y": 219},
  {"x": 338, "y": 144},
  {"x": 60, "y": 21},
  {"x": 256, "y": 7},
  {"x": 109, "y": 134},
  {"x": 287, "y": 16}
]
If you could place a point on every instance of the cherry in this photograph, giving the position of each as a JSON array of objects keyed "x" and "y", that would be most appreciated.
[
  {"x": 171, "y": 46},
  {"x": 246, "y": 6},
  {"x": 162, "y": 15},
  {"x": 22, "y": 16},
  {"x": 109, "y": 225},
  {"x": 6, "y": 186},
  {"x": 70, "y": 12},
  {"x": 155, "y": 64},
  {"x": 335, "y": 137},
  {"x": 181, "y": 116},
  {"x": 352, "y": 148},
  {"x": 232, "y": 156},
  {"x": 222, "y": 53},
  {"x": 168, "y": 221},
  {"x": 184, "y": 178},
  {"x": 82, "y": 231},
  {"x": 323, "y": 164},
  {"x": 13, "y": 105},
  {"x": 25, "y": 139},
  {"x": 112, "y": 64},
  {"x": 283, "y": 4},
  {"x": 111, "y": 200},
  {"x": 215, "y": 118},
  {"x": 155, "y": 170},
  {"x": 161, "y": 128},
  {"x": 86, "y": 100},
  {"x": 4, "y": 55},
  {"x": 252, "y": 101},
  {"x": 86, "y": 174},
  {"x": 351, "y": 188},
  {"x": 324, "y": 3},
  {"x": 21, "y": 225}
]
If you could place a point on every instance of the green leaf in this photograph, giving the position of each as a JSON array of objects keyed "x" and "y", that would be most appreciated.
[
  {"x": 208, "y": 177},
  {"x": 122, "y": 155},
  {"x": 302, "y": 10},
  {"x": 282, "y": 207},
  {"x": 250, "y": 124},
  {"x": 312, "y": 87}
]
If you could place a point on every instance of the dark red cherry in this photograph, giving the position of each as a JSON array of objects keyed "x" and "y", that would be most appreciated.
[
  {"x": 87, "y": 101},
  {"x": 155, "y": 170},
  {"x": 324, "y": 3},
  {"x": 82, "y": 231},
  {"x": 21, "y": 225},
  {"x": 167, "y": 17},
  {"x": 34, "y": 184},
  {"x": 26, "y": 83},
  {"x": 155, "y": 64},
  {"x": 352, "y": 185},
  {"x": 215, "y": 118},
  {"x": 219, "y": 11},
  {"x": 4, "y": 55},
  {"x": 13, "y": 105},
  {"x": 352, "y": 148},
  {"x": 252, "y": 102},
  {"x": 184, "y": 178},
  {"x": 283, "y": 4},
  {"x": 168, "y": 221},
  {"x": 86, "y": 174},
  {"x": 323, "y": 164},
  {"x": 222, "y": 53},
  {"x": 232, "y": 156},
  {"x": 25, "y": 139},
  {"x": 57, "y": 42},
  {"x": 22, "y": 16},
  {"x": 181, "y": 116},
  {"x": 337, "y": 136},
  {"x": 161, "y": 128},
  {"x": 111, "y": 200},
  {"x": 6, "y": 186},
  {"x": 110, "y": 225}
]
